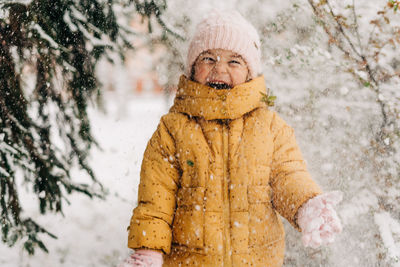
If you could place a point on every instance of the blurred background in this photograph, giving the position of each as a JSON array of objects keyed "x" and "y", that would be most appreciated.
[{"x": 84, "y": 83}]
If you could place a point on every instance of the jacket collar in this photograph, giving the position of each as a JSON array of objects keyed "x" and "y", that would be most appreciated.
[{"x": 199, "y": 100}]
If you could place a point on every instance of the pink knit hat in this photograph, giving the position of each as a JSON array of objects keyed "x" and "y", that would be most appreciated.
[{"x": 230, "y": 31}]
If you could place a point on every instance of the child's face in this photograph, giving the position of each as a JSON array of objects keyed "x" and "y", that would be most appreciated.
[{"x": 221, "y": 69}]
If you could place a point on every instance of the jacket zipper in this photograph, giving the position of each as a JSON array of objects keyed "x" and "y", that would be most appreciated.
[{"x": 225, "y": 197}]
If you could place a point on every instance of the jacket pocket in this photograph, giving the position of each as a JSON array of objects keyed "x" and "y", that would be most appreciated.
[
  {"x": 188, "y": 224},
  {"x": 264, "y": 224}
]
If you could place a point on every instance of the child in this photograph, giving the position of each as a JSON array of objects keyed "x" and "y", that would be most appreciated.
[{"x": 221, "y": 166}]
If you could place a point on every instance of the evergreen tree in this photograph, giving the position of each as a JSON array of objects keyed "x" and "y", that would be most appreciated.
[{"x": 62, "y": 40}]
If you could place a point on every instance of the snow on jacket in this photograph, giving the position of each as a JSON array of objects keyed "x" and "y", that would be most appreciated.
[{"x": 215, "y": 175}]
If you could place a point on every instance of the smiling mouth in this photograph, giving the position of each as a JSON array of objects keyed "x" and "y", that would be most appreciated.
[{"x": 219, "y": 85}]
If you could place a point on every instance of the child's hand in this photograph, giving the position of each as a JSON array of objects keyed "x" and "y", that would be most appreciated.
[
  {"x": 143, "y": 258},
  {"x": 318, "y": 219}
]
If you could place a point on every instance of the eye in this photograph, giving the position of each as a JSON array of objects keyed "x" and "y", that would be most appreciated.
[
  {"x": 236, "y": 62},
  {"x": 208, "y": 60}
]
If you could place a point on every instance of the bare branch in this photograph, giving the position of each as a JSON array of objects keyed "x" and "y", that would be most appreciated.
[
  {"x": 356, "y": 27},
  {"x": 340, "y": 27}
]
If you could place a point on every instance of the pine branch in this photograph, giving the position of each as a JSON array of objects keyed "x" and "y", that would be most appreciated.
[{"x": 52, "y": 35}]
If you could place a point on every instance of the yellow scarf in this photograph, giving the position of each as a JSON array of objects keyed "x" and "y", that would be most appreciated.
[{"x": 199, "y": 100}]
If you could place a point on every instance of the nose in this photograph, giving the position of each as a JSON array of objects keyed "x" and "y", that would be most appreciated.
[{"x": 220, "y": 67}]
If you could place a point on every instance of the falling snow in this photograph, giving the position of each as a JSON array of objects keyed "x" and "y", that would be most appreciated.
[{"x": 333, "y": 119}]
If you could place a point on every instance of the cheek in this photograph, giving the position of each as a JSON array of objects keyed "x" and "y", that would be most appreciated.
[
  {"x": 201, "y": 72},
  {"x": 239, "y": 76}
]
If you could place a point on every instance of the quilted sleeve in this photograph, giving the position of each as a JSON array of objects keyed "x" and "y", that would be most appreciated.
[
  {"x": 290, "y": 180},
  {"x": 150, "y": 225}
]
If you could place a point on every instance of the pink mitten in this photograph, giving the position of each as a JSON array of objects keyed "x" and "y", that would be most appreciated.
[
  {"x": 144, "y": 258},
  {"x": 318, "y": 220}
]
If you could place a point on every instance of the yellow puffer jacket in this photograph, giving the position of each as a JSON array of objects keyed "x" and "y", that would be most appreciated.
[{"x": 215, "y": 175}]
